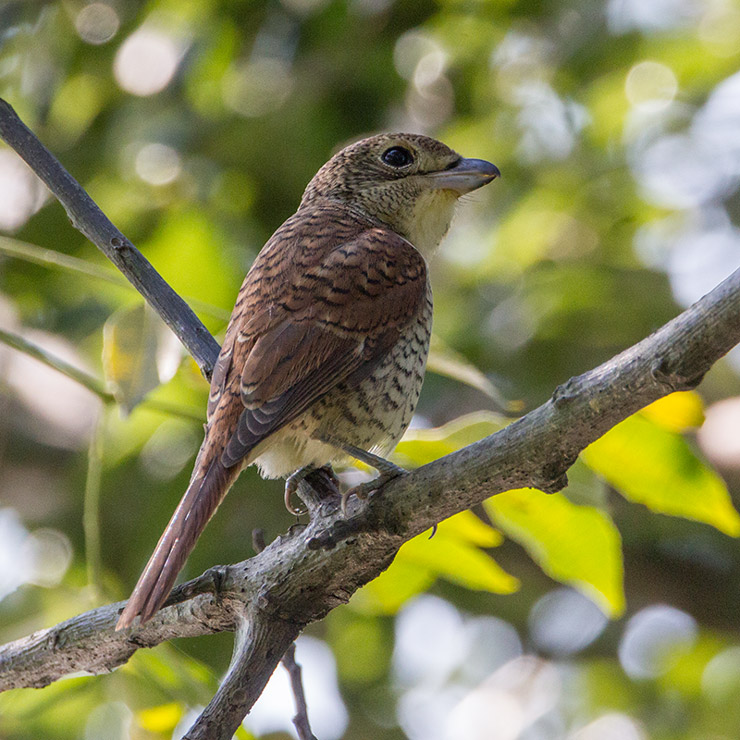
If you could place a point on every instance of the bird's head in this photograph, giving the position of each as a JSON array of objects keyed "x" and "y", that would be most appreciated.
[{"x": 408, "y": 181}]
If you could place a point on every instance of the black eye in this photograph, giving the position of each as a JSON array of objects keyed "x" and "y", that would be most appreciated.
[{"x": 397, "y": 156}]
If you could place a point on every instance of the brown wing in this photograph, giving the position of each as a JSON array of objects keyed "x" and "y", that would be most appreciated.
[
  {"x": 325, "y": 300},
  {"x": 341, "y": 317}
]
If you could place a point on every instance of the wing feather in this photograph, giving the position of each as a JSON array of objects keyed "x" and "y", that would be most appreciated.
[
  {"x": 339, "y": 309},
  {"x": 324, "y": 302}
]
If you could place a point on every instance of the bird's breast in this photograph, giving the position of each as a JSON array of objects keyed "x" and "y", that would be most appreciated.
[{"x": 374, "y": 413}]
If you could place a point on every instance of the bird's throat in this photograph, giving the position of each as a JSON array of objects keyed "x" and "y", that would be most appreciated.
[{"x": 429, "y": 219}]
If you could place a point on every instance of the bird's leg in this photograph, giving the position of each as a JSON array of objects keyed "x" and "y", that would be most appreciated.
[
  {"x": 291, "y": 486},
  {"x": 386, "y": 470}
]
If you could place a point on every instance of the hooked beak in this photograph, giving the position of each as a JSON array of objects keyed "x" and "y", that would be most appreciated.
[{"x": 465, "y": 176}]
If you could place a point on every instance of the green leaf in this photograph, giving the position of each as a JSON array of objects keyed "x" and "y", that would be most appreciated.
[
  {"x": 453, "y": 554},
  {"x": 577, "y": 545},
  {"x": 443, "y": 360},
  {"x": 421, "y": 446},
  {"x": 132, "y": 338},
  {"x": 165, "y": 675},
  {"x": 41, "y": 712},
  {"x": 651, "y": 465},
  {"x": 67, "y": 263}
]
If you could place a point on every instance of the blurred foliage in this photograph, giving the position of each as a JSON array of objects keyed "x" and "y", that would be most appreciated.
[{"x": 195, "y": 124}]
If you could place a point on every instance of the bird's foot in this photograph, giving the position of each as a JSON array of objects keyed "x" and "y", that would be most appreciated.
[
  {"x": 362, "y": 491},
  {"x": 319, "y": 486},
  {"x": 291, "y": 486},
  {"x": 386, "y": 469}
]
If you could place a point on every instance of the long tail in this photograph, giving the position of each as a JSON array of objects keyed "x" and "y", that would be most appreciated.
[{"x": 197, "y": 506}]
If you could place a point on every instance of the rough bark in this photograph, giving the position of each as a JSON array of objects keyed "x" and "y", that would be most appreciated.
[{"x": 301, "y": 576}]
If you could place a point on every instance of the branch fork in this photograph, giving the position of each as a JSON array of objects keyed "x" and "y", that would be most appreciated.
[{"x": 301, "y": 576}]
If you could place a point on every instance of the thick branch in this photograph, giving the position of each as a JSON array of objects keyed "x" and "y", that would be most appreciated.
[
  {"x": 260, "y": 643},
  {"x": 95, "y": 225},
  {"x": 299, "y": 578}
]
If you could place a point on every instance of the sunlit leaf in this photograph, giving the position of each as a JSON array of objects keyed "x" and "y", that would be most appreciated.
[
  {"x": 453, "y": 553},
  {"x": 650, "y": 465},
  {"x": 162, "y": 718},
  {"x": 391, "y": 589},
  {"x": 420, "y": 446},
  {"x": 578, "y": 545},
  {"x": 676, "y": 412}
]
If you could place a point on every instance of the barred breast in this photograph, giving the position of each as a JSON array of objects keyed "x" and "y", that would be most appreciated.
[{"x": 372, "y": 415}]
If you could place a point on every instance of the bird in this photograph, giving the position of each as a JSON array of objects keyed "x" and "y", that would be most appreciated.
[{"x": 324, "y": 354}]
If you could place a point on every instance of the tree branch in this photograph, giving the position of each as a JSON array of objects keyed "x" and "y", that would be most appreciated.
[
  {"x": 301, "y": 576},
  {"x": 95, "y": 225},
  {"x": 304, "y": 574},
  {"x": 300, "y": 721}
]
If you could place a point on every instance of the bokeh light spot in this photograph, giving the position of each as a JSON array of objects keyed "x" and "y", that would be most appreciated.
[
  {"x": 564, "y": 621},
  {"x": 718, "y": 436},
  {"x": 158, "y": 164},
  {"x": 257, "y": 87},
  {"x": 97, "y": 23},
  {"x": 651, "y": 85},
  {"x": 21, "y": 192},
  {"x": 612, "y": 726},
  {"x": 146, "y": 62},
  {"x": 653, "y": 639}
]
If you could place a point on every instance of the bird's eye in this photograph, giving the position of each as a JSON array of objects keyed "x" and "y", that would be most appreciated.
[{"x": 397, "y": 156}]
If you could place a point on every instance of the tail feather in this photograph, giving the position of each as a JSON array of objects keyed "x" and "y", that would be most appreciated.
[{"x": 202, "y": 498}]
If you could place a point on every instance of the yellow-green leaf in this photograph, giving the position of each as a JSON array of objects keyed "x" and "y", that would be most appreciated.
[
  {"x": 421, "y": 446},
  {"x": 453, "y": 554},
  {"x": 650, "y": 465},
  {"x": 676, "y": 412},
  {"x": 443, "y": 360},
  {"x": 577, "y": 545},
  {"x": 391, "y": 589},
  {"x": 131, "y": 339},
  {"x": 162, "y": 718}
]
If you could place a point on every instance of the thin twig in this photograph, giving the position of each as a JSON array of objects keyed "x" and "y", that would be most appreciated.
[
  {"x": 91, "y": 506},
  {"x": 85, "y": 379},
  {"x": 300, "y": 721},
  {"x": 51, "y": 360},
  {"x": 51, "y": 258},
  {"x": 95, "y": 225},
  {"x": 260, "y": 641},
  {"x": 258, "y": 540}
]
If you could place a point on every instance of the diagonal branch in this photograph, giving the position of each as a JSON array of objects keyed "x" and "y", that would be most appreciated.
[
  {"x": 95, "y": 225},
  {"x": 302, "y": 575}
]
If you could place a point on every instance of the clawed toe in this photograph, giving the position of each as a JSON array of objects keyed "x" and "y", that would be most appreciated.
[
  {"x": 291, "y": 487},
  {"x": 363, "y": 490}
]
